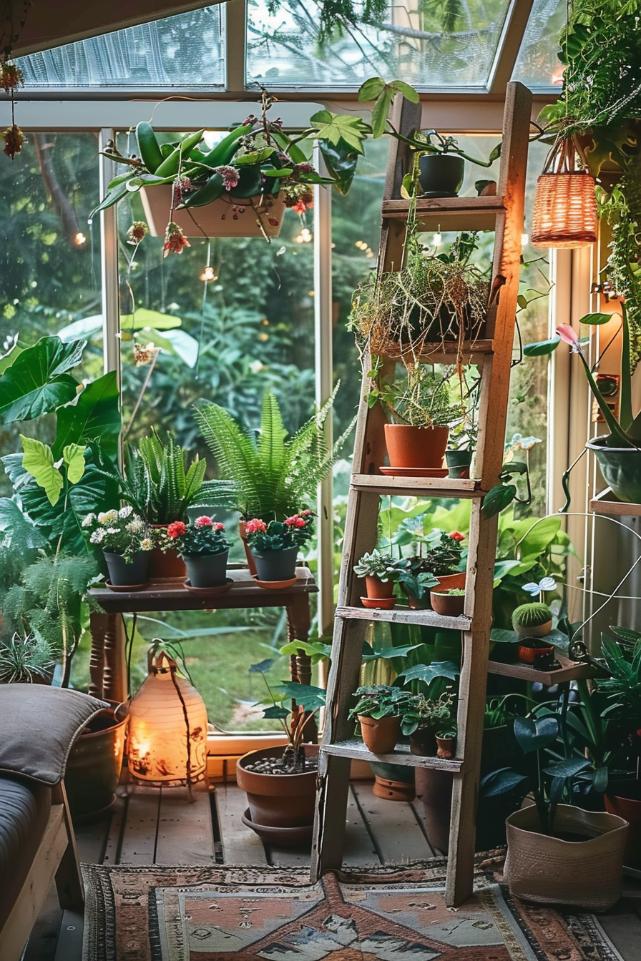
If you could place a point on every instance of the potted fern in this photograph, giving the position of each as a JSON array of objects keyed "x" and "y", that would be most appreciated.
[
  {"x": 160, "y": 483},
  {"x": 275, "y": 546}
]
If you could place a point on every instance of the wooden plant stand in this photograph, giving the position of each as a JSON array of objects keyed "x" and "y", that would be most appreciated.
[
  {"x": 107, "y": 664},
  {"x": 504, "y": 213}
]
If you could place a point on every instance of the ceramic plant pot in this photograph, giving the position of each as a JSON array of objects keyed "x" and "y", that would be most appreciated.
[
  {"x": 225, "y": 217},
  {"x": 122, "y": 573},
  {"x": 165, "y": 565},
  {"x": 380, "y": 736},
  {"x": 415, "y": 447},
  {"x": 621, "y": 469},
  {"x": 584, "y": 871},
  {"x": 423, "y": 742},
  {"x": 393, "y": 782},
  {"x": 379, "y": 593},
  {"x": 441, "y": 175},
  {"x": 447, "y": 582},
  {"x": 449, "y": 605},
  {"x": 458, "y": 463},
  {"x": 278, "y": 800},
  {"x": 206, "y": 570},
  {"x": 446, "y": 747},
  {"x": 94, "y": 764},
  {"x": 624, "y": 799},
  {"x": 276, "y": 565},
  {"x": 531, "y": 649}
]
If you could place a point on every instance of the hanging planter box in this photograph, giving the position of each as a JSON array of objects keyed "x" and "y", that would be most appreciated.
[{"x": 225, "y": 217}]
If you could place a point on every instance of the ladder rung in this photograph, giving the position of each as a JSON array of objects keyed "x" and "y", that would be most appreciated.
[
  {"x": 356, "y": 749},
  {"x": 448, "y": 351},
  {"x": 448, "y": 213},
  {"x": 403, "y": 615},
  {"x": 417, "y": 486}
]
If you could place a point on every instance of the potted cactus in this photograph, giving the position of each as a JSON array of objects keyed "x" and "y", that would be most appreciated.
[{"x": 532, "y": 620}]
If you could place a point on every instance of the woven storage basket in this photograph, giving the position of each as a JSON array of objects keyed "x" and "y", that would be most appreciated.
[
  {"x": 548, "y": 870},
  {"x": 565, "y": 213}
]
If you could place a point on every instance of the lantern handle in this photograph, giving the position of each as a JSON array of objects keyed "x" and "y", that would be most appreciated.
[{"x": 155, "y": 656}]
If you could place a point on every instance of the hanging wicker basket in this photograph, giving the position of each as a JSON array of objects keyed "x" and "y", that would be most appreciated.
[{"x": 565, "y": 213}]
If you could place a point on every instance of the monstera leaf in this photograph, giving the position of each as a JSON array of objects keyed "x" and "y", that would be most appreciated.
[{"x": 38, "y": 381}]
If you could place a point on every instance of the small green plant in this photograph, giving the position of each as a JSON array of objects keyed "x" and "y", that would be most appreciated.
[
  {"x": 25, "y": 659},
  {"x": 421, "y": 713},
  {"x": 422, "y": 399},
  {"x": 531, "y": 615},
  {"x": 444, "y": 552},
  {"x": 453, "y": 592},
  {"x": 377, "y": 564},
  {"x": 417, "y": 583},
  {"x": 378, "y": 701}
]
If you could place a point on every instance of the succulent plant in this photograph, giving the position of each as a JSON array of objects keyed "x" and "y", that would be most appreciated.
[{"x": 534, "y": 619}]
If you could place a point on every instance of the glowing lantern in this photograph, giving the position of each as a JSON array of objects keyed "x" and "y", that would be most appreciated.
[
  {"x": 167, "y": 726},
  {"x": 565, "y": 213}
]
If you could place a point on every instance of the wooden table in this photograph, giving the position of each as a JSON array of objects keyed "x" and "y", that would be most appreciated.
[{"x": 107, "y": 666}]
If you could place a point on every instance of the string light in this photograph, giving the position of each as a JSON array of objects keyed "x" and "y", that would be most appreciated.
[
  {"x": 304, "y": 237},
  {"x": 79, "y": 239},
  {"x": 208, "y": 274}
]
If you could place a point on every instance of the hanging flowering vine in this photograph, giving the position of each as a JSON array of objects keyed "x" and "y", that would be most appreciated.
[{"x": 11, "y": 76}]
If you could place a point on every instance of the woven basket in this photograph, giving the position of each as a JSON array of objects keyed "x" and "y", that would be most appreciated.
[{"x": 565, "y": 213}]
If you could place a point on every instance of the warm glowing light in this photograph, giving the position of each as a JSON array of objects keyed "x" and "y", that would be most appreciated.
[
  {"x": 167, "y": 726},
  {"x": 437, "y": 240},
  {"x": 304, "y": 237},
  {"x": 524, "y": 240},
  {"x": 79, "y": 239},
  {"x": 208, "y": 274}
]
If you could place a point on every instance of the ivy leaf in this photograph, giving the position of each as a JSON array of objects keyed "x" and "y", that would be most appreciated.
[
  {"x": 542, "y": 347},
  {"x": 262, "y": 666},
  {"x": 39, "y": 464},
  {"x": 73, "y": 456},
  {"x": 399, "y": 86}
]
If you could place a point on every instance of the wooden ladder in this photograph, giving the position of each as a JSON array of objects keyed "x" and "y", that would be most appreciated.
[{"x": 493, "y": 353}]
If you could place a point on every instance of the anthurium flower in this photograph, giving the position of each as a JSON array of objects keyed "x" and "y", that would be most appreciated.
[{"x": 568, "y": 334}]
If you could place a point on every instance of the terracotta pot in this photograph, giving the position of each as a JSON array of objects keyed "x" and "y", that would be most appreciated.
[
  {"x": 225, "y": 217},
  {"x": 446, "y": 747},
  {"x": 412, "y": 447},
  {"x": 378, "y": 589},
  {"x": 530, "y": 653},
  {"x": 538, "y": 630},
  {"x": 546, "y": 869},
  {"x": 380, "y": 736},
  {"x": 167, "y": 565},
  {"x": 391, "y": 789},
  {"x": 624, "y": 799},
  {"x": 449, "y": 581},
  {"x": 423, "y": 742},
  {"x": 278, "y": 800},
  {"x": 251, "y": 563},
  {"x": 95, "y": 762},
  {"x": 449, "y": 605}
]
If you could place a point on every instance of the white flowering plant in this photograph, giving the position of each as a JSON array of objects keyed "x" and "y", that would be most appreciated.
[{"x": 119, "y": 532}]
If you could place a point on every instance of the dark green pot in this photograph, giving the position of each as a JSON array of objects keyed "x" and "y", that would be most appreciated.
[
  {"x": 458, "y": 462},
  {"x": 621, "y": 469},
  {"x": 441, "y": 175},
  {"x": 206, "y": 570}
]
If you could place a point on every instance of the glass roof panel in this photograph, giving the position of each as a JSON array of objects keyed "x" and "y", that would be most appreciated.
[
  {"x": 416, "y": 43},
  {"x": 182, "y": 51},
  {"x": 537, "y": 65}
]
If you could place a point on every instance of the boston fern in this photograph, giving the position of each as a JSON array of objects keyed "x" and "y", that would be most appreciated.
[
  {"x": 159, "y": 483},
  {"x": 271, "y": 475}
]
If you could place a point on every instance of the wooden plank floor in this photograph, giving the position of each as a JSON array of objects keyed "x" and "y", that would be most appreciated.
[{"x": 163, "y": 827}]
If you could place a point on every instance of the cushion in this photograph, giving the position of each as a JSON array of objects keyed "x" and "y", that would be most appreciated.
[
  {"x": 38, "y": 726},
  {"x": 24, "y": 810}
]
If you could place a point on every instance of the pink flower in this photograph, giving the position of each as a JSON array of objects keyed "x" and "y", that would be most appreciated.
[
  {"x": 456, "y": 536},
  {"x": 175, "y": 240},
  {"x": 204, "y": 521},
  {"x": 176, "y": 529},
  {"x": 294, "y": 521},
  {"x": 182, "y": 186},
  {"x": 218, "y": 526},
  {"x": 230, "y": 176},
  {"x": 568, "y": 334},
  {"x": 255, "y": 526}
]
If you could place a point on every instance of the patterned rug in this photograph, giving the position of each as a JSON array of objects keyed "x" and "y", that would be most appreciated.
[{"x": 231, "y": 913}]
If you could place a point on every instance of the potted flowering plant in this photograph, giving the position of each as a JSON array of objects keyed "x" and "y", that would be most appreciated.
[
  {"x": 125, "y": 541},
  {"x": 275, "y": 545},
  {"x": 380, "y": 573},
  {"x": 204, "y": 549}
]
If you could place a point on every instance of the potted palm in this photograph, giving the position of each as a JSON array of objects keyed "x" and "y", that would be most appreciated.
[
  {"x": 204, "y": 548},
  {"x": 378, "y": 710},
  {"x": 281, "y": 782},
  {"x": 424, "y": 719},
  {"x": 126, "y": 543},
  {"x": 275, "y": 547},
  {"x": 381, "y": 573}
]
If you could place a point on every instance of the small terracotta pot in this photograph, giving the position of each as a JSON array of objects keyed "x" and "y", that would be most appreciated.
[
  {"x": 377, "y": 589},
  {"x": 449, "y": 581},
  {"x": 423, "y": 742},
  {"x": 390, "y": 789},
  {"x": 412, "y": 447},
  {"x": 529, "y": 653},
  {"x": 446, "y": 747},
  {"x": 448, "y": 605},
  {"x": 251, "y": 563},
  {"x": 165, "y": 565},
  {"x": 380, "y": 736}
]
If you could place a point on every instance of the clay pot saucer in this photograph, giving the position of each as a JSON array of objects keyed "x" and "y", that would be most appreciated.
[
  {"x": 276, "y": 585},
  {"x": 124, "y": 588},
  {"x": 414, "y": 471},
  {"x": 380, "y": 603},
  {"x": 211, "y": 591},
  {"x": 292, "y": 837}
]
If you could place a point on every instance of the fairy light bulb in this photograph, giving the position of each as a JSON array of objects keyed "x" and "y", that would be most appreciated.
[
  {"x": 208, "y": 274},
  {"x": 79, "y": 239},
  {"x": 438, "y": 239}
]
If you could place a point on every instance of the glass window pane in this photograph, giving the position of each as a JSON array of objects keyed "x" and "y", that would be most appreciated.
[
  {"x": 184, "y": 51},
  {"x": 537, "y": 65},
  {"x": 415, "y": 42}
]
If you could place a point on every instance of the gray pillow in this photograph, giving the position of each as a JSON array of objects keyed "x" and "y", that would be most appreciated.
[{"x": 38, "y": 726}]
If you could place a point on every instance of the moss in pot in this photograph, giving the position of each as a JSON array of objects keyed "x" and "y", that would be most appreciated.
[
  {"x": 281, "y": 782},
  {"x": 378, "y": 708}
]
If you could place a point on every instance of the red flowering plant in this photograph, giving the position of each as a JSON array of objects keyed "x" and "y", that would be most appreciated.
[
  {"x": 294, "y": 531},
  {"x": 201, "y": 537}
]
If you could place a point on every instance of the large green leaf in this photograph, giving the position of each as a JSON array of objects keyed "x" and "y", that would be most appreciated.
[
  {"x": 94, "y": 418},
  {"x": 38, "y": 380},
  {"x": 37, "y": 461},
  {"x": 73, "y": 457},
  {"x": 15, "y": 525}
]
